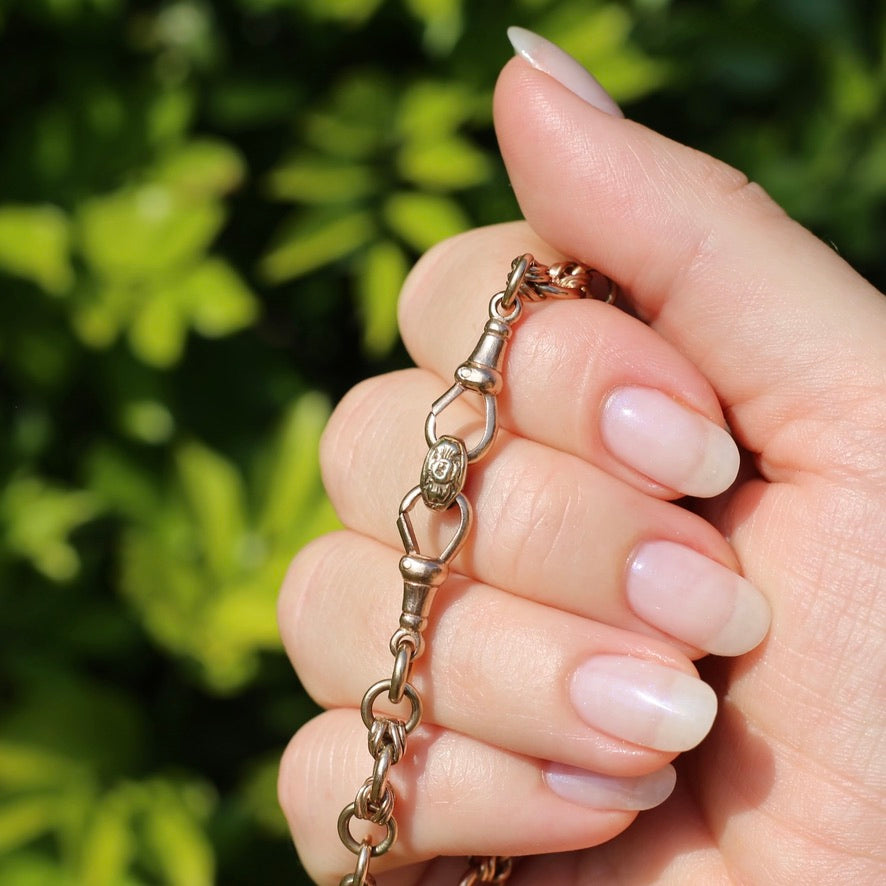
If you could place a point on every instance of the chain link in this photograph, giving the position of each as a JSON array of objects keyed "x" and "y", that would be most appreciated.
[{"x": 440, "y": 488}]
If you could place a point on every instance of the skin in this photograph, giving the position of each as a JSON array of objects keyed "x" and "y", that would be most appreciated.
[{"x": 749, "y": 320}]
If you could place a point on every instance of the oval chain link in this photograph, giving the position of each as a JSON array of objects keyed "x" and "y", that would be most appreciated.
[{"x": 440, "y": 488}]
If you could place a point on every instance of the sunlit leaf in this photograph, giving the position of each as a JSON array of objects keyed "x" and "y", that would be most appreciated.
[
  {"x": 122, "y": 483},
  {"x": 169, "y": 114},
  {"x": 26, "y": 817},
  {"x": 314, "y": 241},
  {"x": 140, "y": 232},
  {"x": 109, "y": 841},
  {"x": 601, "y": 40},
  {"x": 102, "y": 309},
  {"x": 202, "y": 168},
  {"x": 31, "y": 868},
  {"x": 630, "y": 75},
  {"x": 432, "y": 109},
  {"x": 216, "y": 299},
  {"x": 587, "y": 34},
  {"x": 351, "y": 11},
  {"x": 384, "y": 269},
  {"x": 158, "y": 329},
  {"x": 443, "y": 22},
  {"x": 444, "y": 163},
  {"x": 856, "y": 90},
  {"x": 177, "y": 842},
  {"x": 147, "y": 420},
  {"x": 357, "y": 121},
  {"x": 216, "y": 497},
  {"x": 35, "y": 243},
  {"x": 293, "y": 482},
  {"x": 315, "y": 179},
  {"x": 245, "y": 617},
  {"x": 26, "y": 766},
  {"x": 39, "y": 517},
  {"x": 422, "y": 220}
]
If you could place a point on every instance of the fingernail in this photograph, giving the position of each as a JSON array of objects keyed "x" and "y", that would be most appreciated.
[
  {"x": 695, "y": 599},
  {"x": 643, "y": 702},
  {"x": 548, "y": 58},
  {"x": 667, "y": 442},
  {"x": 606, "y": 792}
]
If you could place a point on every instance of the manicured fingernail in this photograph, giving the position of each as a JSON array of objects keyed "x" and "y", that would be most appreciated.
[
  {"x": 548, "y": 58},
  {"x": 695, "y": 599},
  {"x": 607, "y": 792},
  {"x": 643, "y": 702},
  {"x": 667, "y": 442}
]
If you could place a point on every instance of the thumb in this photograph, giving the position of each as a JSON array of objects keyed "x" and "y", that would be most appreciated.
[{"x": 788, "y": 333}]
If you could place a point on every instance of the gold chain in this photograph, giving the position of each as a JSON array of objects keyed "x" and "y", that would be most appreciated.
[{"x": 440, "y": 487}]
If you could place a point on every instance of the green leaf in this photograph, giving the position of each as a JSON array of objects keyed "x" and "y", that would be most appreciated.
[
  {"x": 177, "y": 842},
  {"x": 148, "y": 421},
  {"x": 444, "y": 164},
  {"x": 384, "y": 269},
  {"x": 421, "y": 220},
  {"x": 216, "y": 299},
  {"x": 123, "y": 483},
  {"x": 108, "y": 844},
  {"x": 158, "y": 329},
  {"x": 203, "y": 168},
  {"x": 102, "y": 309},
  {"x": 25, "y": 766},
  {"x": 39, "y": 518},
  {"x": 600, "y": 40},
  {"x": 315, "y": 240},
  {"x": 216, "y": 497},
  {"x": 142, "y": 232},
  {"x": 35, "y": 243},
  {"x": 351, "y": 11},
  {"x": 31, "y": 868},
  {"x": 26, "y": 817},
  {"x": 168, "y": 116},
  {"x": 293, "y": 484},
  {"x": 356, "y": 121},
  {"x": 443, "y": 22},
  {"x": 432, "y": 109},
  {"x": 317, "y": 179}
]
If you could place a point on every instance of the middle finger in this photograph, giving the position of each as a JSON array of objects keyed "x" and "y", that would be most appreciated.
[{"x": 569, "y": 535}]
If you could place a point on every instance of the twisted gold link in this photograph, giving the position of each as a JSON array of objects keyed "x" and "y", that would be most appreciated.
[
  {"x": 377, "y": 811},
  {"x": 487, "y": 869},
  {"x": 440, "y": 488}
]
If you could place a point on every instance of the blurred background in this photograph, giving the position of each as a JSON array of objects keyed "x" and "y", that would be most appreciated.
[{"x": 206, "y": 211}]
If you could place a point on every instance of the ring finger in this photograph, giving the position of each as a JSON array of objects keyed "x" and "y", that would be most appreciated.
[{"x": 570, "y": 535}]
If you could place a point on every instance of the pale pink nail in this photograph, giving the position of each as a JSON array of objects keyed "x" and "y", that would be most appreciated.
[
  {"x": 695, "y": 599},
  {"x": 643, "y": 702},
  {"x": 548, "y": 58},
  {"x": 667, "y": 442},
  {"x": 609, "y": 792}
]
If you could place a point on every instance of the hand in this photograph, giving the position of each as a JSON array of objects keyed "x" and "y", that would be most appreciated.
[{"x": 584, "y": 587}]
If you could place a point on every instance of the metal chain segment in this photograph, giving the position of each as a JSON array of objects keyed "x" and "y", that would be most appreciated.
[{"x": 442, "y": 480}]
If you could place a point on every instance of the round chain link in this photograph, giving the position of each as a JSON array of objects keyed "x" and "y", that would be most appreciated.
[{"x": 440, "y": 489}]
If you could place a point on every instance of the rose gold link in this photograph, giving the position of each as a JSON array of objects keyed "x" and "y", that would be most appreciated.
[{"x": 440, "y": 489}]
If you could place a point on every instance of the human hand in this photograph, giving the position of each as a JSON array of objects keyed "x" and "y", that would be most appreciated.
[{"x": 744, "y": 308}]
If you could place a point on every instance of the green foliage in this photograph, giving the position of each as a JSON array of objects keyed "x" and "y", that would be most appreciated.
[{"x": 206, "y": 213}]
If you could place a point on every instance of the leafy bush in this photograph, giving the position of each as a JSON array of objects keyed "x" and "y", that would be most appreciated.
[{"x": 206, "y": 211}]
